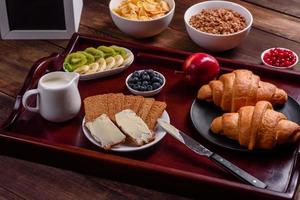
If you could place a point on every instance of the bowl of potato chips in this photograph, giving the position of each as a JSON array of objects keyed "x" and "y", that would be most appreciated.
[{"x": 142, "y": 18}]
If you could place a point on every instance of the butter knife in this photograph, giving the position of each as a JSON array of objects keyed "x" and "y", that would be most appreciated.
[{"x": 203, "y": 151}]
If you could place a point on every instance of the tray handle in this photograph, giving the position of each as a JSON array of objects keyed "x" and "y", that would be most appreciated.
[
  {"x": 39, "y": 68},
  {"x": 228, "y": 65}
]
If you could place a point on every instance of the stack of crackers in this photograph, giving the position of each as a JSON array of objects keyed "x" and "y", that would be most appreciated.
[{"x": 146, "y": 108}]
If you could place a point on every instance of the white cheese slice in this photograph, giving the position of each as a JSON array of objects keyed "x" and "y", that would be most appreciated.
[
  {"x": 105, "y": 131},
  {"x": 133, "y": 126}
]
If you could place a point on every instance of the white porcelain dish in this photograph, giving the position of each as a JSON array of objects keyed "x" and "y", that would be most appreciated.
[
  {"x": 141, "y": 29},
  {"x": 146, "y": 93},
  {"x": 159, "y": 135},
  {"x": 289, "y": 67},
  {"x": 107, "y": 72},
  {"x": 214, "y": 42}
]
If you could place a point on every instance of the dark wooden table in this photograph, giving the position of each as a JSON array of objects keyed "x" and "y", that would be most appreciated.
[{"x": 276, "y": 23}]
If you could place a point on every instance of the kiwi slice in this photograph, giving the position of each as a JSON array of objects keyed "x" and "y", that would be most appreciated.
[
  {"x": 74, "y": 60},
  {"x": 90, "y": 58},
  {"x": 119, "y": 50},
  {"x": 95, "y": 52},
  {"x": 108, "y": 51}
]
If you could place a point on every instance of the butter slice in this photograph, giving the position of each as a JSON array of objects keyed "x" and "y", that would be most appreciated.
[
  {"x": 134, "y": 127},
  {"x": 105, "y": 131}
]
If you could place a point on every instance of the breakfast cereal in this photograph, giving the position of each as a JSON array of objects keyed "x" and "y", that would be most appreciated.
[
  {"x": 142, "y": 9},
  {"x": 218, "y": 21}
]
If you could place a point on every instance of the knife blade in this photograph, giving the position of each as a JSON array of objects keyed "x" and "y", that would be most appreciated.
[{"x": 203, "y": 151}]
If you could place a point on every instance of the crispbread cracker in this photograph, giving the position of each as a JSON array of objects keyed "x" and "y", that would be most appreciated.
[
  {"x": 129, "y": 101},
  {"x": 155, "y": 112},
  {"x": 145, "y": 108},
  {"x": 95, "y": 106},
  {"x": 139, "y": 100},
  {"x": 118, "y": 100},
  {"x": 115, "y": 104},
  {"x": 111, "y": 106}
]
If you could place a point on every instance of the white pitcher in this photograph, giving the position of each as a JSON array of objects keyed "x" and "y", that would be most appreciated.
[{"x": 58, "y": 97}]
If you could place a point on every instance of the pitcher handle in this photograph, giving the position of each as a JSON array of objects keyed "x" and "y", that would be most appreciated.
[{"x": 25, "y": 98}]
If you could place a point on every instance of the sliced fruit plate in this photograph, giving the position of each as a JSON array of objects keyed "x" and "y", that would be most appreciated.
[{"x": 93, "y": 63}]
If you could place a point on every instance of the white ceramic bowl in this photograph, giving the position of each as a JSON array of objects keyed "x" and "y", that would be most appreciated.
[
  {"x": 141, "y": 29},
  {"x": 145, "y": 93},
  {"x": 289, "y": 67},
  {"x": 214, "y": 42}
]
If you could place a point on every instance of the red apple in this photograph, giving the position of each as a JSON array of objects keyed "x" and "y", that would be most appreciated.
[{"x": 201, "y": 68}]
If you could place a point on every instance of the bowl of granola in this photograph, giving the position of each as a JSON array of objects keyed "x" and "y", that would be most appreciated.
[{"x": 218, "y": 25}]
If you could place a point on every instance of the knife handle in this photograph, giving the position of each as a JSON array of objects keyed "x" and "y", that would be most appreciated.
[{"x": 238, "y": 172}]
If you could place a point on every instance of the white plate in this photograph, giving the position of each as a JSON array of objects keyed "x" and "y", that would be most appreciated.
[
  {"x": 107, "y": 72},
  {"x": 159, "y": 134}
]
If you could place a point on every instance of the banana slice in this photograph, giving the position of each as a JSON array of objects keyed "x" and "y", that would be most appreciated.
[
  {"x": 102, "y": 65},
  {"x": 93, "y": 68},
  {"x": 128, "y": 60},
  {"x": 110, "y": 62},
  {"x": 82, "y": 70},
  {"x": 118, "y": 61}
]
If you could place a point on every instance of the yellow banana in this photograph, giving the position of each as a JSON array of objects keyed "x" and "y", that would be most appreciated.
[
  {"x": 93, "y": 68},
  {"x": 82, "y": 70},
  {"x": 102, "y": 65},
  {"x": 110, "y": 62},
  {"x": 118, "y": 61}
]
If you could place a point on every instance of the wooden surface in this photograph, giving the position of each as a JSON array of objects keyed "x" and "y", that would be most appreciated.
[{"x": 275, "y": 24}]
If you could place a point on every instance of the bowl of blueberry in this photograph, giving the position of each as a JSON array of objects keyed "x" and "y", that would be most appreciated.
[{"x": 145, "y": 82}]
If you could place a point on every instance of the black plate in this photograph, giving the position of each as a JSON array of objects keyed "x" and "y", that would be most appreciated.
[{"x": 202, "y": 113}]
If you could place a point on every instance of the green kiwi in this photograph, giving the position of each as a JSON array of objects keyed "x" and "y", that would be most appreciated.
[
  {"x": 108, "y": 52},
  {"x": 89, "y": 55},
  {"x": 95, "y": 52},
  {"x": 74, "y": 60},
  {"x": 119, "y": 50},
  {"x": 90, "y": 58}
]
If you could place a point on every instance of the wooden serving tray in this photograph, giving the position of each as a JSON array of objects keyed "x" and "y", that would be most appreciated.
[{"x": 169, "y": 165}]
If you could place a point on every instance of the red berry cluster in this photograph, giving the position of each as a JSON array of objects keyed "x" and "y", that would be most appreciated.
[{"x": 280, "y": 57}]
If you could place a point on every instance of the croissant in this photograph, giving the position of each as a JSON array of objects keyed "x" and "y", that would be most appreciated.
[
  {"x": 257, "y": 126},
  {"x": 240, "y": 88}
]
